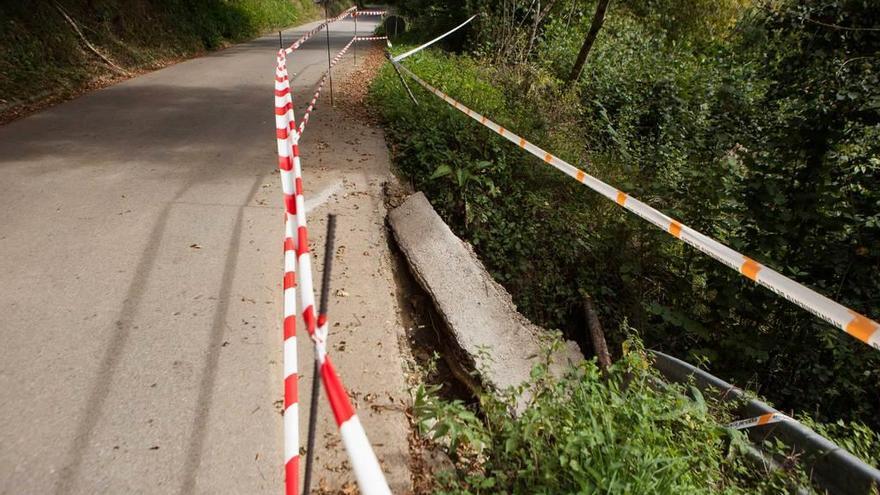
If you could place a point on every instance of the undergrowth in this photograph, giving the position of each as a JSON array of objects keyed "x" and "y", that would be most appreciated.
[
  {"x": 42, "y": 57},
  {"x": 549, "y": 241},
  {"x": 586, "y": 432},
  {"x": 759, "y": 139}
]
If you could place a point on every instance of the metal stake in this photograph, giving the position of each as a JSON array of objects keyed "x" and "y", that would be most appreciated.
[
  {"x": 280, "y": 41},
  {"x": 329, "y": 70},
  {"x": 355, "y": 36},
  {"x": 322, "y": 316}
]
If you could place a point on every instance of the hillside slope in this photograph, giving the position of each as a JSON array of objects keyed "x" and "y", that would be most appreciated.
[{"x": 44, "y": 60}]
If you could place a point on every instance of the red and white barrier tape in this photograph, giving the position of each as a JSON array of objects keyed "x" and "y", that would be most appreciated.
[
  {"x": 764, "y": 419},
  {"x": 308, "y": 111},
  {"x": 366, "y": 467},
  {"x": 291, "y": 394},
  {"x": 296, "y": 44},
  {"x": 345, "y": 13},
  {"x": 283, "y": 117},
  {"x": 370, "y": 478},
  {"x": 359, "y": 13},
  {"x": 851, "y": 322}
]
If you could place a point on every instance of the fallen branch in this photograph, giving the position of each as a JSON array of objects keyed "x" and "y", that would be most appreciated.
[
  {"x": 600, "y": 347},
  {"x": 89, "y": 45}
]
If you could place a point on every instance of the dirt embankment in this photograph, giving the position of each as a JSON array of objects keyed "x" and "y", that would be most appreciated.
[{"x": 56, "y": 50}]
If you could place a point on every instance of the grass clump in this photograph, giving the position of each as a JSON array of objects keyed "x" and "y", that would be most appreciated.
[{"x": 592, "y": 433}]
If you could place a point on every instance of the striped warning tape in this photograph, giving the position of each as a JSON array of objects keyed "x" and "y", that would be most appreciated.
[
  {"x": 853, "y": 323},
  {"x": 298, "y": 43},
  {"x": 289, "y": 363},
  {"x": 764, "y": 419},
  {"x": 368, "y": 473},
  {"x": 370, "y": 12},
  {"x": 438, "y": 38},
  {"x": 345, "y": 13},
  {"x": 283, "y": 116},
  {"x": 308, "y": 112}
]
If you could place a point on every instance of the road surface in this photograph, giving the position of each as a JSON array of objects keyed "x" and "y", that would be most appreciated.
[{"x": 140, "y": 260}]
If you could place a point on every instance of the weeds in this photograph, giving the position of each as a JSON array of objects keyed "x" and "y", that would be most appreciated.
[{"x": 592, "y": 433}]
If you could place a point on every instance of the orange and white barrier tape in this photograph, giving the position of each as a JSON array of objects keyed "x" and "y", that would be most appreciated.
[
  {"x": 438, "y": 38},
  {"x": 853, "y": 323},
  {"x": 366, "y": 467},
  {"x": 764, "y": 419},
  {"x": 370, "y": 38}
]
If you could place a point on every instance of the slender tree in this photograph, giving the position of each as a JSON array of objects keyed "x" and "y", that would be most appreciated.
[{"x": 598, "y": 20}]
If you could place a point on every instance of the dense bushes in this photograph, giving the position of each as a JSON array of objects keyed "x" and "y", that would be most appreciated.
[
  {"x": 764, "y": 137},
  {"x": 765, "y": 142},
  {"x": 40, "y": 52}
]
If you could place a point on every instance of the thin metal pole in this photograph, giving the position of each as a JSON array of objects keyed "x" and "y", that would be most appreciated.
[
  {"x": 328, "y": 264},
  {"x": 280, "y": 41},
  {"x": 355, "y": 35},
  {"x": 329, "y": 70},
  {"x": 329, "y": 242},
  {"x": 313, "y": 417}
]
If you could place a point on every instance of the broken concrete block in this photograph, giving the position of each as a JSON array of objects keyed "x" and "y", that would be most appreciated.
[{"x": 483, "y": 325}]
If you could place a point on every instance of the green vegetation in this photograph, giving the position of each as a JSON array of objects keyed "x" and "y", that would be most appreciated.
[
  {"x": 589, "y": 433},
  {"x": 759, "y": 129},
  {"x": 42, "y": 57},
  {"x": 757, "y": 125}
]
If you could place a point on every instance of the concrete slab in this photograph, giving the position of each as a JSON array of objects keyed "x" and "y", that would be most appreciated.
[{"x": 483, "y": 324}]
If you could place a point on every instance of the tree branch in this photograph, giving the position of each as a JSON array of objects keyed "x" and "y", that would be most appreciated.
[
  {"x": 598, "y": 20},
  {"x": 89, "y": 45},
  {"x": 597, "y": 335}
]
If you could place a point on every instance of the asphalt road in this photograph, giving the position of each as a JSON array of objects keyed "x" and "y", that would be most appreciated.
[{"x": 140, "y": 269}]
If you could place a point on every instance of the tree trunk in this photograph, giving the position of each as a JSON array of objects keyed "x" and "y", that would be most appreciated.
[
  {"x": 597, "y": 336},
  {"x": 598, "y": 20}
]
